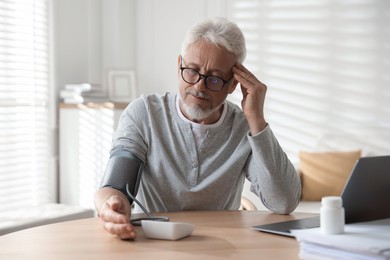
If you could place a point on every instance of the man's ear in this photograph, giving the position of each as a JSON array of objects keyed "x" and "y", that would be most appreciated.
[
  {"x": 233, "y": 86},
  {"x": 178, "y": 64}
]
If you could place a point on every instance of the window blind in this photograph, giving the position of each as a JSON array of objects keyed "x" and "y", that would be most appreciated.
[
  {"x": 326, "y": 64},
  {"x": 25, "y": 143}
]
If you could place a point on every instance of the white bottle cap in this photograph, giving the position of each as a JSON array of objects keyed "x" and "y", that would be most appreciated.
[{"x": 332, "y": 201}]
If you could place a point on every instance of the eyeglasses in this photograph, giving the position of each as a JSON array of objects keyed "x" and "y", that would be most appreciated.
[{"x": 192, "y": 76}]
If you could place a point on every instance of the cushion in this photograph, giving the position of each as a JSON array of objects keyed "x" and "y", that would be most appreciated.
[{"x": 325, "y": 173}]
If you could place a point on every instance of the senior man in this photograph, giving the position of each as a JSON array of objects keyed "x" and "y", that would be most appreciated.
[{"x": 193, "y": 150}]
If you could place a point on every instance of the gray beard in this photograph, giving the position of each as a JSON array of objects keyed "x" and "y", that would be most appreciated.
[{"x": 197, "y": 113}]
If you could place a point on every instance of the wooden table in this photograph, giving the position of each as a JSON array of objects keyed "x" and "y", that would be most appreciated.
[{"x": 217, "y": 235}]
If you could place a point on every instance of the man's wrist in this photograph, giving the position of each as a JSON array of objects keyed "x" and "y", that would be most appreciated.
[{"x": 257, "y": 127}]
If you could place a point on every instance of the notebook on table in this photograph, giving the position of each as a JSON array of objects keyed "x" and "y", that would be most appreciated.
[{"x": 366, "y": 197}]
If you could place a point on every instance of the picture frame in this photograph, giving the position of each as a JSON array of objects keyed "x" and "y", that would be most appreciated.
[{"x": 121, "y": 85}]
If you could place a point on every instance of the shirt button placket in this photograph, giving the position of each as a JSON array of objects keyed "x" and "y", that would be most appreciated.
[{"x": 194, "y": 174}]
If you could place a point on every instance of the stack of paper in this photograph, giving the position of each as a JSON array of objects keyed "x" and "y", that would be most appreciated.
[
  {"x": 72, "y": 94},
  {"x": 364, "y": 240}
]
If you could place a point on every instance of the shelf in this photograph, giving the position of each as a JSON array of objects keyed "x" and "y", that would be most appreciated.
[{"x": 94, "y": 105}]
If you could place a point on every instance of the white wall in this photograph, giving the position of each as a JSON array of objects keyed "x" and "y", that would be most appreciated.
[{"x": 93, "y": 37}]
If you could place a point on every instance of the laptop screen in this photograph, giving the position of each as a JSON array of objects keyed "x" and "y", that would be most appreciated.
[{"x": 366, "y": 196}]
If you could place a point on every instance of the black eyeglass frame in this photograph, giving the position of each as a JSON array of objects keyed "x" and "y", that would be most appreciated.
[{"x": 202, "y": 76}]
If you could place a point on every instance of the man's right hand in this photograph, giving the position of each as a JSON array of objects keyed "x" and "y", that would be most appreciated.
[{"x": 115, "y": 215}]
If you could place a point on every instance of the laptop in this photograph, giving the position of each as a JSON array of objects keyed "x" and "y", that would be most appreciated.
[{"x": 366, "y": 197}]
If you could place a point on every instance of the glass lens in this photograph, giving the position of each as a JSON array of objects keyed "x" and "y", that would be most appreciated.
[
  {"x": 214, "y": 83},
  {"x": 190, "y": 75}
]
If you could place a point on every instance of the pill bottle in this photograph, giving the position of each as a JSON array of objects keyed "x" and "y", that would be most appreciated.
[{"x": 332, "y": 218}]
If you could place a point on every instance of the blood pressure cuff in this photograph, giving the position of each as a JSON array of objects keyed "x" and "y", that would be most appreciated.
[{"x": 123, "y": 168}]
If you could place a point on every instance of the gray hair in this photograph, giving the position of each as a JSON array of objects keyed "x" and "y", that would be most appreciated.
[{"x": 220, "y": 32}]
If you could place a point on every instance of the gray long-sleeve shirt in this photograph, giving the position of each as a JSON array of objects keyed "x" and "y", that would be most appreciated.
[{"x": 178, "y": 175}]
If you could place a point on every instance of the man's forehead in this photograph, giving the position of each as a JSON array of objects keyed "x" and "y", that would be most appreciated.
[{"x": 208, "y": 53}]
